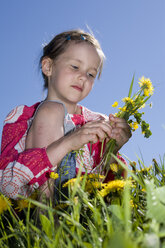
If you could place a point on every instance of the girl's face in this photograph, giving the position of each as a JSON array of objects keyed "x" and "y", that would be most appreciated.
[{"x": 73, "y": 73}]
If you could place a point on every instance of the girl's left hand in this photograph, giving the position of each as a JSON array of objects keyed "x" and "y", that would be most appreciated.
[{"x": 121, "y": 131}]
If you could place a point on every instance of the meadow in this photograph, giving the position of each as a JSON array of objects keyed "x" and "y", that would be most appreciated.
[{"x": 121, "y": 213}]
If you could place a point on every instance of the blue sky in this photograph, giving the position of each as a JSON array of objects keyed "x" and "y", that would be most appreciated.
[{"x": 132, "y": 36}]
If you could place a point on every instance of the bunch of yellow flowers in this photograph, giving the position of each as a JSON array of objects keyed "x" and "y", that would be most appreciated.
[{"x": 130, "y": 112}]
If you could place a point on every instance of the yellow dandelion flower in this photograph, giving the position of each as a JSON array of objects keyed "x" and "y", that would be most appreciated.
[
  {"x": 22, "y": 204},
  {"x": 115, "y": 104},
  {"x": 135, "y": 125},
  {"x": 112, "y": 186},
  {"x": 95, "y": 176},
  {"x": 123, "y": 109},
  {"x": 91, "y": 186},
  {"x": 4, "y": 203},
  {"x": 115, "y": 167},
  {"x": 127, "y": 100},
  {"x": 146, "y": 84},
  {"x": 104, "y": 192},
  {"x": 71, "y": 182},
  {"x": 54, "y": 175},
  {"x": 146, "y": 92},
  {"x": 90, "y": 178}
]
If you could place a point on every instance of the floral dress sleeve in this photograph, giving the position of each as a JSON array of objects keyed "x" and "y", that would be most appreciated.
[{"x": 21, "y": 171}]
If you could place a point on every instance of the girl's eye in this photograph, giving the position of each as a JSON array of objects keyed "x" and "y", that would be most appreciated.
[
  {"x": 75, "y": 67},
  {"x": 91, "y": 75}
]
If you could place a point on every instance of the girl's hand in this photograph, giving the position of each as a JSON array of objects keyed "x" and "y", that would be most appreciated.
[
  {"x": 121, "y": 131},
  {"x": 92, "y": 131}
]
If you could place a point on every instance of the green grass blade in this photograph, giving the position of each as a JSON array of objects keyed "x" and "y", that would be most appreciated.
[{"x": 131, "y": 86}]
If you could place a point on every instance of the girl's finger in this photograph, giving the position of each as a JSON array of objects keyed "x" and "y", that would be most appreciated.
[
  {"x": 98, "y": 127},
  {"x": 98, "y": 131}
]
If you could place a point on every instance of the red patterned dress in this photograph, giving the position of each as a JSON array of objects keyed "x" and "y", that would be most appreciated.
[{"x": 23, "y": 171}]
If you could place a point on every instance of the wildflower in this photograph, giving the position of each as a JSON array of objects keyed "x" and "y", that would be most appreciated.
[
  {"x": 127, "y": 100},
  {"x": 123, "y": 109},
  {"x": 4, "y": 203},
  {"x": 70, "y": 182},
  {"x": 95, "y": 176},
  {"x": 115, "y": 167},
  {"x": 54, "y": 175},
  {"x": 116, "y": 185},
  {"x": 24, "y": 203},
  {"x": 130, "y": 113},
  {"x": 146, "y": 85},
  {"x": 91, "y": 186},
  {"x": 146, "y": 92},
  {"x": 115, "y": 104},
  {"x": 134, "y": 125},
  {"x": 91, "y": 178}
]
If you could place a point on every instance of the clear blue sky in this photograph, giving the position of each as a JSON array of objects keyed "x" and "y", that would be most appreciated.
[{"x": 132, "y": 35}]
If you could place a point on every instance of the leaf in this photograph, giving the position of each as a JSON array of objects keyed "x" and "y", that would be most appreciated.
[
  {"x": 117, "y": 211},
  {"x": 161, "y": 194},
  {"x": 46, "y": 225},
  {"x": 131, "y": 86},
  {"x": 155, "y": 202},
  {"x": 87, "y": 245},
  {"x": 151, "y": 240}
]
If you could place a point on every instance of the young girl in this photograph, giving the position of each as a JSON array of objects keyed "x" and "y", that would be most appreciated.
[{"x": 41, "y": 139}]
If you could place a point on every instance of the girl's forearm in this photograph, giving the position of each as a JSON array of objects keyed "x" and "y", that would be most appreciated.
[{"x": 58, "y": 149}]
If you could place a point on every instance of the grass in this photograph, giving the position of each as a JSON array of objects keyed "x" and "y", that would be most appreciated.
[{"x": 129, "y": 217}]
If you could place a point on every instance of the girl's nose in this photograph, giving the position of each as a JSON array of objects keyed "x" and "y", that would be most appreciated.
[{"x": 82, "y": 76}]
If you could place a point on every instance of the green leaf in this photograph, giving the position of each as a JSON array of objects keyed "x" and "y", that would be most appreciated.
[
  {"x": 46, "y": 225},
  {"x": 155, "y": 202},
  {"x": 117, "y": 211},
  {"x": 161, "y": 194},
  {"x": 131, "y": 87},
  {"x": 151, "y": 240},
  {"x": 87, "y": 245}
]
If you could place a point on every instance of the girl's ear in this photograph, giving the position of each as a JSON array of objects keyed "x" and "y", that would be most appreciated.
[{"x": 47, "y": 66}]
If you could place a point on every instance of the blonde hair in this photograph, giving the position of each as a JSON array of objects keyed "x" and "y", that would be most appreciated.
[{"x": 60, "y": 42}]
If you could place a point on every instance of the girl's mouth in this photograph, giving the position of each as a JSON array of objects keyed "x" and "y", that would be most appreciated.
[{"x": 76, "y": 87}]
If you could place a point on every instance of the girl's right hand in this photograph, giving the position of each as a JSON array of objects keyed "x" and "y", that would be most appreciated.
[{"x": 91, "y": 132}]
